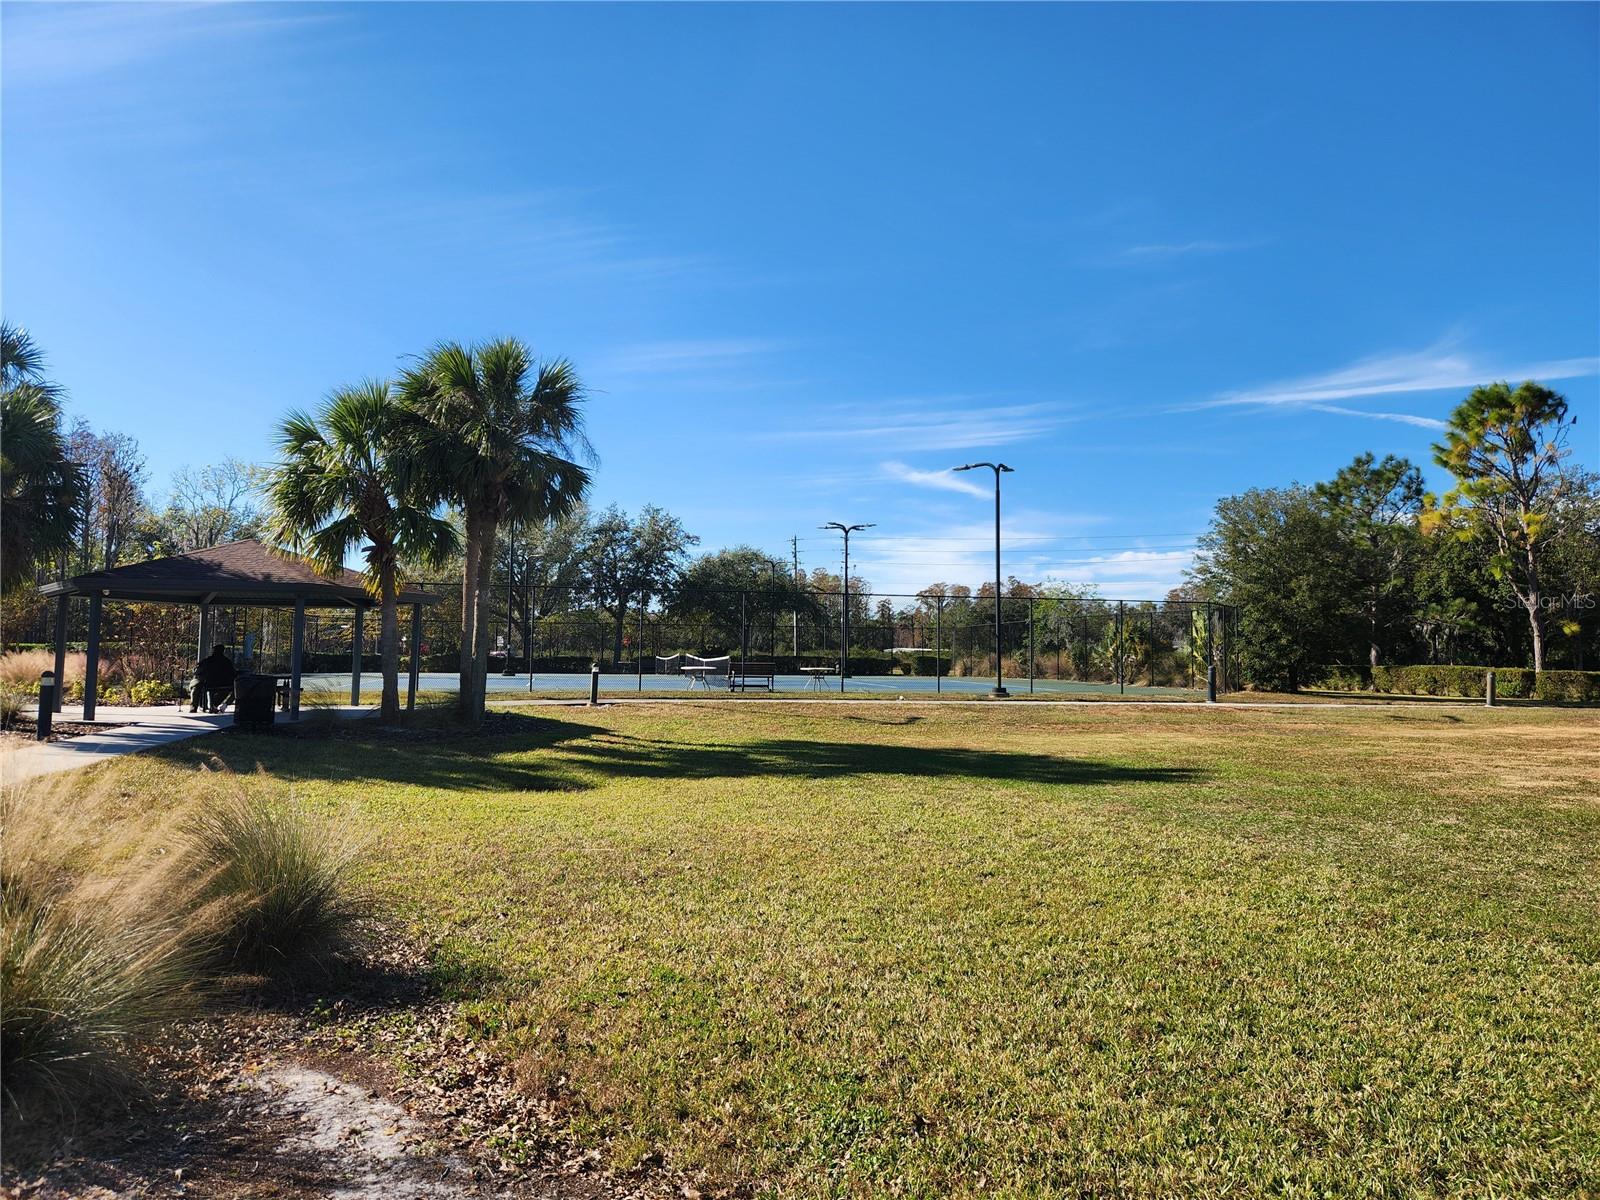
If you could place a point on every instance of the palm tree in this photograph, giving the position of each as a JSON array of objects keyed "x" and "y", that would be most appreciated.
[
  {"x": 499, "y": 439},
  {"x": 42, "y": 492},
  {"x": 345, "y": 481}
]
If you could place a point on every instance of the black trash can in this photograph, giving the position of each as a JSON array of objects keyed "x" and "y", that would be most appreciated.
[{"x": 255, "y": 701}]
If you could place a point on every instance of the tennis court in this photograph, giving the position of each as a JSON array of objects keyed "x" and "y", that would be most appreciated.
[{"x": 617, "y": 684}]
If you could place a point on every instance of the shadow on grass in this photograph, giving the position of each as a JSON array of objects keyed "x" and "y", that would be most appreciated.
[{"x": 587, "y": 755}]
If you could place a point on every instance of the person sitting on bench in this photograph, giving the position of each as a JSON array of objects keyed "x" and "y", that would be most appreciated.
[{"x": 213, "y": 681}]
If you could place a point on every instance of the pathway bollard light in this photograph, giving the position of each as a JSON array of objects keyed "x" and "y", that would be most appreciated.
[
  {"x": 1211, "y": 683},
  {"x": 47, "y": 704},
  {"x": 594, "y": 685},
  {"x": 1488, "y": 689}
]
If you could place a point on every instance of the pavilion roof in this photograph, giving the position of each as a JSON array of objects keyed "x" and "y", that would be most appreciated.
[{"x": 246, "y": 572}]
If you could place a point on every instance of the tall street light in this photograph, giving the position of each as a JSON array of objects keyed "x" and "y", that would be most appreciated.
[
  {"x": 998, "y": 469},
  {"x": 844, "y": 609}
]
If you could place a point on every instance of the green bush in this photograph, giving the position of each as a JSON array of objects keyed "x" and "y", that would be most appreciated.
[
  {"x": 1568, "y": 687},
  {"x": 1512, "y": 683},
  {"x": 288, "y": 881},
  {"x": 150, "y": 691},
  {"x": 1337, "y": 678}
]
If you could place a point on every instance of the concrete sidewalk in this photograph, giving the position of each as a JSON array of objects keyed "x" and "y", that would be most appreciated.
[{"x": 127, "y": 731}]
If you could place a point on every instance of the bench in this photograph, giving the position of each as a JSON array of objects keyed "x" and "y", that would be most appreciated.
[{"x": 751, "y": 675}]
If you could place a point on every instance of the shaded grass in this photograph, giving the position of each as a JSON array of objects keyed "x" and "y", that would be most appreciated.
[{"x": 866, "y": 950}]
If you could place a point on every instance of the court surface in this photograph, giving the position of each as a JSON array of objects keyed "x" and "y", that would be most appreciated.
[{"x": 616, "y": 684}]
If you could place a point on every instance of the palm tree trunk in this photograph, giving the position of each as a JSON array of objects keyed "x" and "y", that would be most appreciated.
[
  {"x": 472, "y": 553},
  {"x": 481, "y": 624},
  {"x": 389, "y": 643}
]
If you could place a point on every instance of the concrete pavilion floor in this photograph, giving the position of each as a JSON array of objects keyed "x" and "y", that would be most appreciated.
[{"x": 127, "y": 730}]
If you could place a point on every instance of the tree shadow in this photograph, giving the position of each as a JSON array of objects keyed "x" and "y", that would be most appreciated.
[
  {"x": 588, "y": 755},
  {"x": 461, "y": 759},
  {"x": 805, "y": 758}
]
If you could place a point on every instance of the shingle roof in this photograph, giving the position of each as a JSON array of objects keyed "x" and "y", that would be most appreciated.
[{"x": 239, "y": 572}]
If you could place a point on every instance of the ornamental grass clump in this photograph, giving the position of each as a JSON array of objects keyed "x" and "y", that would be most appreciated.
[
  {"x": 100, "y": 946},
  {"x": 287, "y": 877}
]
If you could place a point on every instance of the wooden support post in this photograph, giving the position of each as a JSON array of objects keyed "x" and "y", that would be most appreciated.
[
  {"x": 297, "y": 648},
  {"x": 91, "y": 668}
]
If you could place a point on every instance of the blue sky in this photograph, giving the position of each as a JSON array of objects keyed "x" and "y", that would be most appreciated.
[{"x": 808, "y": 258}]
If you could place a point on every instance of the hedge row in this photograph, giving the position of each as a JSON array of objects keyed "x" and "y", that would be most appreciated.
[{"x": 1571, "y": 687}]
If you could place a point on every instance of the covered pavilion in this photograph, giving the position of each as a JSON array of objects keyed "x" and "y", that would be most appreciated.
[{"x": 244, "y": 574}]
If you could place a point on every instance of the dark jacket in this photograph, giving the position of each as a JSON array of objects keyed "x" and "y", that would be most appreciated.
[{"x": 215, "y": 672}]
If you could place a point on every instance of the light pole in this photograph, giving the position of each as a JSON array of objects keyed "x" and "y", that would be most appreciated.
[
  {"x": 844, "y": 608},
  {"x": 998, "y": 469}
]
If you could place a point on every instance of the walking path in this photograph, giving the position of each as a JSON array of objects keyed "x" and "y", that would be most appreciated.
[{"x": 128, "y": 730}]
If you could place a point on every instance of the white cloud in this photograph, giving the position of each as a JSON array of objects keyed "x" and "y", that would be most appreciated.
[
  {"x": 47, "y": 44},
  {"x": 1200, "y": 247},
  {"x": 1437, "y": 368},
  {"x": 944, "y": 480},
  {"x": 1403, "y": 418},
  {"x": 673, "y": 357},
  {"x": 935, "y": 424}
]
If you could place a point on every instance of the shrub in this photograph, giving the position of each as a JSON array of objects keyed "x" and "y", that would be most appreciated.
[
  {"x": 1512, "y": 683},
  {"x": 1568, "y": 687},
  {"x": 1338, "y": 679},
  {"x": 150, "y": 691},
  {"x": 287, "y": 879}
]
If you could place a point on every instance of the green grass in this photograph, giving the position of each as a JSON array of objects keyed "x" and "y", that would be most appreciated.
[{"x": 1013, "y": 950}]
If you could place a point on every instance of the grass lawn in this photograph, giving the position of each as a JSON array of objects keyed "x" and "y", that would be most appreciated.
[{"x": 947, "y": 950}]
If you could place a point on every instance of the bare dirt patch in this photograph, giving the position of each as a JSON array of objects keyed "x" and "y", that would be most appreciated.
[{"x": 291, "y": 1101}]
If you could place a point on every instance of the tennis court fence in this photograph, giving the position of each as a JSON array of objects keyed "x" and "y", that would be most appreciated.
[{"x": 549, "y": 630}]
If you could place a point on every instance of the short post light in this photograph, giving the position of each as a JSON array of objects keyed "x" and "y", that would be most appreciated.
[
  {"x": 47, "y": 704},
  {"x": 594, "y": 685}
]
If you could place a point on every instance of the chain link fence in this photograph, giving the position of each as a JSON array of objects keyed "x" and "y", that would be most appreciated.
[{"x": 554, "y": 632}]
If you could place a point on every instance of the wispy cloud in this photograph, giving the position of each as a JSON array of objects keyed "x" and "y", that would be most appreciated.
[
  {"x": 48, "y": 44},
  {"x": 1437, "y": 368},
  {"x": 942, "y": 480},
  {"x": 942, "y": 423},
  {"x": 1402, "y": 418},
  {"x": 1198, "y": 248},
  {"x": 552, "y": 233},
  {"x": 692, "y": 355}
]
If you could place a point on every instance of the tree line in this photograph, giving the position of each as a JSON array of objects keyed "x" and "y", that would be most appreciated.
[
  {"x": 1369, "y": 568},
  {"x": 473, "y": 462}
]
